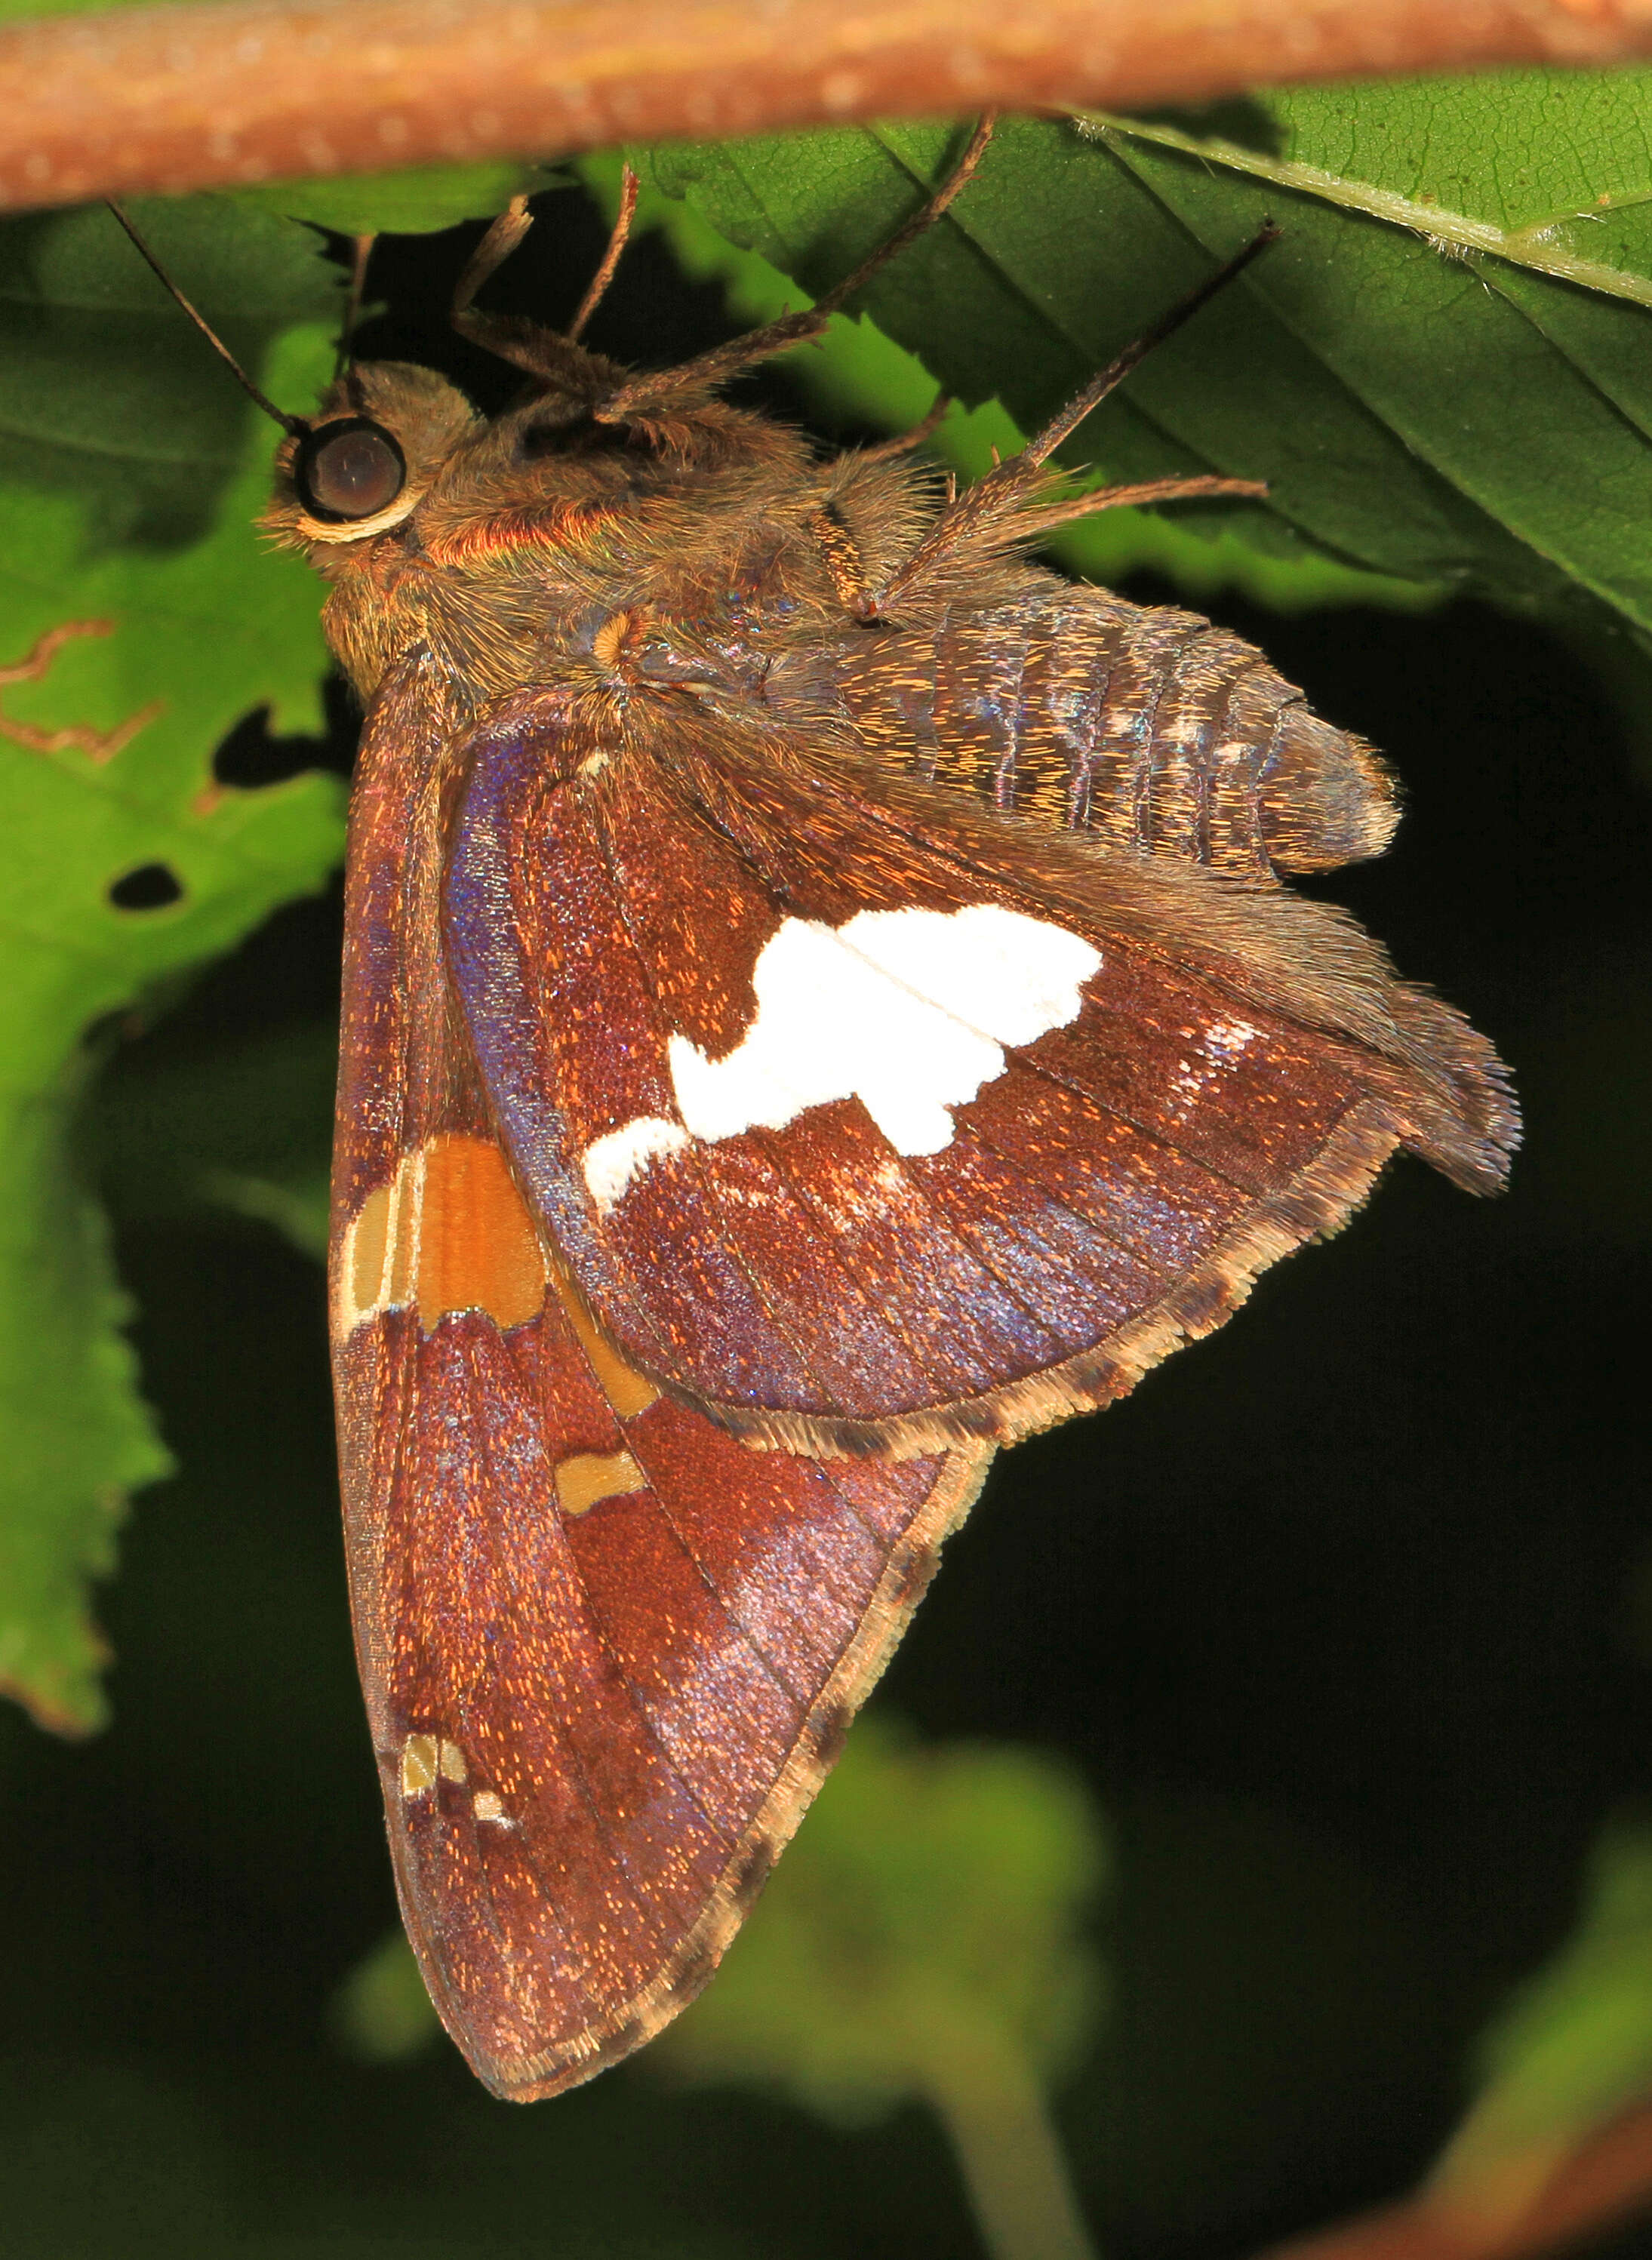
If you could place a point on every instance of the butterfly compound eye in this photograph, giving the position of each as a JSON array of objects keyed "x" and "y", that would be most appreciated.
[{"x": 349, "y": 470}]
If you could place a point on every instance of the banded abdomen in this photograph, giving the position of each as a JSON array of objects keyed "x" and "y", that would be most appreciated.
[{"x": 1145, "y": 726}]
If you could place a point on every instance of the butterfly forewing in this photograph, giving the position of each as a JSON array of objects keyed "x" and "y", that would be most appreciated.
[{"x": 609, "y": 1651}]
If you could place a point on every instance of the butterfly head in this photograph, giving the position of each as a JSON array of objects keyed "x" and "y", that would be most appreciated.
[
  {"x": 363, "y": 463},
  {"x": 391, "y": 439},
  {"x": 432, "y": 522}
]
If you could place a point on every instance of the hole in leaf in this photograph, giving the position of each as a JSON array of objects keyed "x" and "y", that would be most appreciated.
[
  {"x": 252, "y": 756},
  {"x": 150, "y": 887}
]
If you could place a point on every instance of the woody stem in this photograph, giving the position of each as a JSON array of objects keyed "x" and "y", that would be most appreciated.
[{"x": 173, "y": 98}]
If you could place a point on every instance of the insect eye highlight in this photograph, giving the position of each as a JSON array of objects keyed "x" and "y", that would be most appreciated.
[{"x": 349, "y": 470}]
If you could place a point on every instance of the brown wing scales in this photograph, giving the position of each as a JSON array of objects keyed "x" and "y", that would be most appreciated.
[
  {"x": 814, "y": 987},
  {"x": 630, "y": 1703}
]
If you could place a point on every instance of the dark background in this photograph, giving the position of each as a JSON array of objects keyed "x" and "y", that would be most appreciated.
[{"x": 1337, "y": 1617}]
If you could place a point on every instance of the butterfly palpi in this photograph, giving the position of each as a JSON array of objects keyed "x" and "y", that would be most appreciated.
[{"x": 818, "y": 1005}]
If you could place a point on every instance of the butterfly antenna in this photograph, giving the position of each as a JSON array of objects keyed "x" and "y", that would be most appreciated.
[
  {"x": 1040, "y": 449},
  {"x": 361, "y": 252},
  {"x": 496, "y": 246},
  {"x": 604, "y": 274},
  {"x": 552, "y": 356},
  {"x": 294, "y": 426}
]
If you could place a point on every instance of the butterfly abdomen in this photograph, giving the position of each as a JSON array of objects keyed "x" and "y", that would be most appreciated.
[{"x": 1145, "y": 726}]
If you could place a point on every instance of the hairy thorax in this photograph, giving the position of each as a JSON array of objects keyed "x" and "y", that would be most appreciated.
[
  {"x": 534, "y": 553},
  {"x": 703, "y": 562}
]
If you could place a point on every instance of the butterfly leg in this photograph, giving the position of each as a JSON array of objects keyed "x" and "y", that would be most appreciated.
[
  {"x": 716, "y": 369},
  {"x": 907, "y": 442},
  {"x": 1012, "y": 499},
  {"x": 619, "y": 235}
]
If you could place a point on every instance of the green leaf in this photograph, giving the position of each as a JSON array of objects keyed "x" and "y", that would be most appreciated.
[
  {"x": 381, "y": 2013},
  {"x": 126, "y": 540},
  {"x": 1443, "y": 422},
  {"x": 1571, "y": 2050},
  {"x": 108, "y": 394},
  {"x": 417, "y": 201},
  {"x": 858, "y": 374}
]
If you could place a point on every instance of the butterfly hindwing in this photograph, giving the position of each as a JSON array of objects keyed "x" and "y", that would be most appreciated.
[
  {"x": 608, "y": 1649},
  {"x": 868, "y": 1119}
]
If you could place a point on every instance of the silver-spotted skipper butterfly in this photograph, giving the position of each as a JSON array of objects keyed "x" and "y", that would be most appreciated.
[{"x": 817, "y": 1006}]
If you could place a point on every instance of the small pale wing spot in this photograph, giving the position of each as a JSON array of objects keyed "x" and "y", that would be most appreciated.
[
  {"x": 419, "y": 1764},
  {"x": 452, "y": 1762},
  {"x": 373, "y": 1258},
  {"x": 627, "y": 1391},
  {"x": 584, "y": 1479},
  {"x": 487, "y": 1806},
  {"x": 364, "y": 1257},
  {"x": 1218, "y": 1050},
  {"x": 612, "y": 1161}
]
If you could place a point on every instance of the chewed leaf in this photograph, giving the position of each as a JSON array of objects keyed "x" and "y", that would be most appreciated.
[
  {"x": 122, "y": 862},
  {"x": 1421, "y": 408}
]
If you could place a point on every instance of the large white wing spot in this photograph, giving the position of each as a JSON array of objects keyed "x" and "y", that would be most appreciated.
[
  {"x": 612, "y": 1161},
  {"x": 908, "y": 1010}
]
